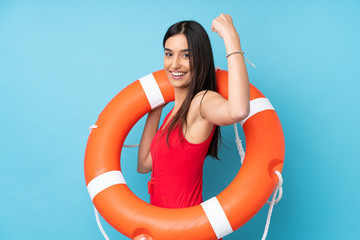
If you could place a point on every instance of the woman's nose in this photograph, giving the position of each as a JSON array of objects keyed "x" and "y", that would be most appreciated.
[{"x": 175, "y": 63}]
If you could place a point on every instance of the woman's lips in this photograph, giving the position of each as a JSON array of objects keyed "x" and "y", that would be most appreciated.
[{"x": 177, "y": 74}]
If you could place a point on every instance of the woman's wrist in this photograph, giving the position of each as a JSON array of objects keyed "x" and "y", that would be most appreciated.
[{"x": 232, "y": 43}]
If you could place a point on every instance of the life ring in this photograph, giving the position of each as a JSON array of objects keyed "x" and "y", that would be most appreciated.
[{"x": 214, "y": 218}]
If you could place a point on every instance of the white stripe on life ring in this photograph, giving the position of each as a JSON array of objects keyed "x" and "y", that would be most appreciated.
[
  {"x": 217, "y": 217},
  {"x": 152, "y": 90},
  {"x": 258, "y": 105},
  {"x": 104, "y": 181}
]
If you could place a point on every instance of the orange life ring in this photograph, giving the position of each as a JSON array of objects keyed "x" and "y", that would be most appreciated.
[{"x": 214, "y": 218}]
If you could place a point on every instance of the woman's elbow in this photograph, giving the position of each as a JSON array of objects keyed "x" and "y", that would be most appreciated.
[
  {"x": 239, "y": 115},
  {"x": 143, "y": 170}
]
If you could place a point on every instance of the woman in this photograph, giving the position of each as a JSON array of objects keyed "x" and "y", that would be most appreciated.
[{"x": 175, "y": 152}]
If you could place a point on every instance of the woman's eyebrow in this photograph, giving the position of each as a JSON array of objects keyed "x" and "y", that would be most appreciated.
[{"x": 183, "y": 50}]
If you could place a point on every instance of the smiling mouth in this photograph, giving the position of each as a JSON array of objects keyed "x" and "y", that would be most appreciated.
[{"x": 178, "y": 74}]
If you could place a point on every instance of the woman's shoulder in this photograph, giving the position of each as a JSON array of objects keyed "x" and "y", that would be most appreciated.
[
  {"x": 198, "y": 128},
  {"x": 201, "y": 95}
]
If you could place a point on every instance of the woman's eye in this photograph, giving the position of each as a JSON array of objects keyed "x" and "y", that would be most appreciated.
[
  {"x": 168, "y": 54},
  {"x": 186, "y": 55}
]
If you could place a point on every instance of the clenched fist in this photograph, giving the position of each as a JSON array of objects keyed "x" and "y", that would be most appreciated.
[{"x": 223, "y": 25}]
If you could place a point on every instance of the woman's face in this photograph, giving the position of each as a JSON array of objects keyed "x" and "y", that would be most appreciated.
[{"x": 177, "y": 61}]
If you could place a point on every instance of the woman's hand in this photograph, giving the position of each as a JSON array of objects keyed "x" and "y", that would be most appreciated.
[
  {"x": 223, "y": 25},
  {"x": 142, "y": 237}
]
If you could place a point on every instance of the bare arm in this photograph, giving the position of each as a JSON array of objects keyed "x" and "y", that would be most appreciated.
[
  {"x": 151, "y": 127},
  {"x": 216, "y": 109}
]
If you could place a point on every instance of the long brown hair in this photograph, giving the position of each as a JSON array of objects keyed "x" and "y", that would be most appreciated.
[{"x": 202, "y": 74}]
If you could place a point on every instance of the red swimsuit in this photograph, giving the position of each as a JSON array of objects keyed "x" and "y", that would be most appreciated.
[{"x": 177, "y": 169}]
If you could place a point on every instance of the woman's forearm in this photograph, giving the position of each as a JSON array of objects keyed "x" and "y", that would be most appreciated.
[
  {"x": 150, "y": 129},
  {"x": 239, "y": 92}
]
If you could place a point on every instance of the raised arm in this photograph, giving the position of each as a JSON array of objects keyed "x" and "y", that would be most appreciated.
[
  {"x": 215, "y": 108},
  {"x": 150, "y": 129}
]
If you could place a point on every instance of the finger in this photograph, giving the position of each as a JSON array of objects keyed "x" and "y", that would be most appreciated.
[
  {"x": 213, "y": 25},
  {"x": 229, "y": 18},
  {"x": 141, "y": 237}
]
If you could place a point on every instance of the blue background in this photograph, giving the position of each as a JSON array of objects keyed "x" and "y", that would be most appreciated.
[{"x": 61, "y": 62}]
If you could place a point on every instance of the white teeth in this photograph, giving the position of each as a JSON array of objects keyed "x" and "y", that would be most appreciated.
[{"x": 177, "y": 74}]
